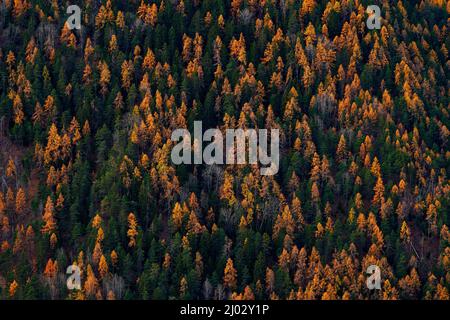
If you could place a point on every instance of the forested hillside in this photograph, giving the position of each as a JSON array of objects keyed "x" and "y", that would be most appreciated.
[{"x": 86, "y": 177}]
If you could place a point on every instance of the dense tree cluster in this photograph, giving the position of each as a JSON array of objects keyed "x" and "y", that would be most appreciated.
[{"x": 86, "y": 178}]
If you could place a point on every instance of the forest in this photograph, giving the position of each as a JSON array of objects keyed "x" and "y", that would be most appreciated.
[{"x": 86, "y": 178}]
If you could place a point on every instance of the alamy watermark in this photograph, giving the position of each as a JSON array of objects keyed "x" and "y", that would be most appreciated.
[{"x": 235, "y": 147}]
